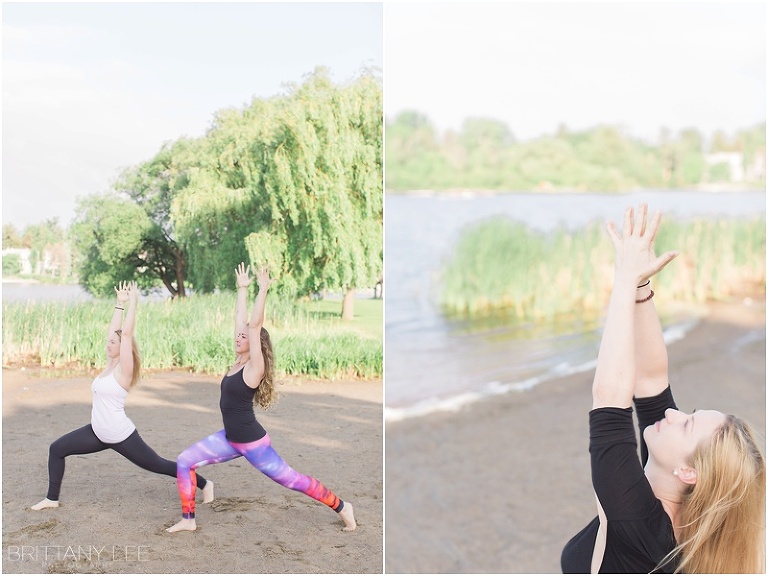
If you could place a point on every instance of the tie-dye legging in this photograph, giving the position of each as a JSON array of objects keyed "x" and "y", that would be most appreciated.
[{"x": 216, "y": 448}]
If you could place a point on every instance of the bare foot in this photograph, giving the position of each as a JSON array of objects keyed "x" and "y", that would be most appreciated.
[
  {"x": 183, "y": 524},
  {"x": 45, "y": 503},
  {"x": 208, "y": 492},
  {"x": 348, "y": 516}
]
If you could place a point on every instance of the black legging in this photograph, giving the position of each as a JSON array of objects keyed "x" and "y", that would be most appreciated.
[{"x": 84, "y": 441}]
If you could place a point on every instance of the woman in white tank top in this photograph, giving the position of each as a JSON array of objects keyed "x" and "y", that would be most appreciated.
[{"x": 110, "y": 427}]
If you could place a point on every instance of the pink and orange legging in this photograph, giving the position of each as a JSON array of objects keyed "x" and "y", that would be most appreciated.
[{"x": 216, "y": 448}]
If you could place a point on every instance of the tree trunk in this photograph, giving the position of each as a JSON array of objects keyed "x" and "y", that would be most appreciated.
[
  {"x": 181, "y": 272},
  {"x": 348, "y": 305},
  {"x": 169, "y": 285}
]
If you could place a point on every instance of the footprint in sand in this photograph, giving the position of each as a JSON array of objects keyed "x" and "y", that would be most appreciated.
[
  {"x": 43, "y": 527},
  {"x": 226, "y": 504}
]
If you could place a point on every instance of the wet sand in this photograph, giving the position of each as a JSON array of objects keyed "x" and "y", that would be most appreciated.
[
  {"x": 502, "y": 485},
  {"x": 113, "y": 515}
]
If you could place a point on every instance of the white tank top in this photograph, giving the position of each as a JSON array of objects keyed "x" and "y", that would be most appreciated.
[{"x": 108, "y": 417}]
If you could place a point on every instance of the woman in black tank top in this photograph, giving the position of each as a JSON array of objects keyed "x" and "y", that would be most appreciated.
[
  {"x": 695, "y": 500},
  {"x": 249, "y": 381}
]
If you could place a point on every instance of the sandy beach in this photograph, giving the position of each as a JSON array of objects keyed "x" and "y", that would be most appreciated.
[
  {"x": 113, "y": 515},
  {"x": 502, "y": 485}
]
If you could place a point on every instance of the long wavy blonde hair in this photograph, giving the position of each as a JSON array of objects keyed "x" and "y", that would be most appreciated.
[
  {"x": 723, "y": 515},
  {"x": 266, "y": 395},
  {"x": 136, "y": 357}
]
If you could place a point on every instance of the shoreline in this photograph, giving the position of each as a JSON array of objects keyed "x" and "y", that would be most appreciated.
[
  {"x": 513, "y": 472},
  {"x": 331, "y": 430},
  {"x": 457, "y": 402},
  {"x": 678, "y": 319}
]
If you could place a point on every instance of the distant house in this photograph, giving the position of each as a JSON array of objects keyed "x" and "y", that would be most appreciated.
[{"x": 24, "y": 258}]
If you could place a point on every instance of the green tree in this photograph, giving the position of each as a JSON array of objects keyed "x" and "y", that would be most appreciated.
[
  {"x": 221, "y": 199},
  {"x": 413, "y": 151},
  {"x": 484, "y": 155},
  {"x": 11, "y": 265},
  {"x": 11, "y": 237},
  {"x": 304, "y": 168},
  {"x": 485, "y": 142},
  {"x": 107, "y": 236},
  {"x": 324, "y": 181},
  {"x": 691, "y": 152},
  {"x": 152, "y": 186}
]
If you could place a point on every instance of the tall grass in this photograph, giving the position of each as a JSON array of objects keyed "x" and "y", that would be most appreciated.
[
  {"x": 197, "y": 333},
  {"x": 502, "y": 267}
]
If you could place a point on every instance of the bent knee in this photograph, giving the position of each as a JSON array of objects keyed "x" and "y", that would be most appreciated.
[
  {"x": 186, "y": 460},
  {"x": 57, "y": 449}
]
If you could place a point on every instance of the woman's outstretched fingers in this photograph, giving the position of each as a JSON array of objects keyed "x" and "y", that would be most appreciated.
[
  {"x": 242, "y": 275},
  {"x": 663, "y": 260},
  {"x": 628, "y": 221},
  {"x": 654, "y": 226},
  {"x": 642, "y": 216}
]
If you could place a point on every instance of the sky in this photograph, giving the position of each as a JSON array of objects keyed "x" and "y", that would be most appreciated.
[
  {"x": 94, "y": 88},
  {"x": 90, "y": 89},
  {"x": 638, "y": 66}
]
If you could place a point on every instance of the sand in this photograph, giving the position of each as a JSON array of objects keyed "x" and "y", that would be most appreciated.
[
  {"x": 502, "y": 485},
  {"x": 113, "y": 515},
  {"x": 498, "y": 487}
]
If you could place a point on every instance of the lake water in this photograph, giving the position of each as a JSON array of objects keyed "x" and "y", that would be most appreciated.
[
  {"x": 21, "y": 291},
  {"x": 38, "y": 292},
  {"x": 432, "y": 363}
]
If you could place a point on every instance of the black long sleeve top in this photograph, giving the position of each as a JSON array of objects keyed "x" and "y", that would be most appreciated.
[{"x": 639, "y": 532}]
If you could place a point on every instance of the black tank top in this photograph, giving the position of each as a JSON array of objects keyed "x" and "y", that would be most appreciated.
[{"x": 236, "y": 404}]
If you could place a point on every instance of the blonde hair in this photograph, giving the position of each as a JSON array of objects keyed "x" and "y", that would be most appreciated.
[
  {"x": 136, "y": 357},
  {"x": 723, "y": 515},
  {"x": 266, "y": 395}
]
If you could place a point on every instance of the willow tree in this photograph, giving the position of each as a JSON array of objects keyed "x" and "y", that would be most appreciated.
[
  {"x": 304, "y": 168},
  {"x": 222, "y": 200},
  {"x": 323, "y": 179}
]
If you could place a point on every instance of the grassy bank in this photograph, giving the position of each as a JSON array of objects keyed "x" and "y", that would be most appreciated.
[
  {"x": 197, "y": 333},
  {"x": 500, "y": 266}
]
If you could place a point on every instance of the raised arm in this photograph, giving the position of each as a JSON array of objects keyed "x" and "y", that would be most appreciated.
[
  {"x": 242, "y": 274},
  {"x": 254, "y": 369},
  {"x": 616, "y": 371},
  {"x": 651, "y": 360},
  {"x": 121, "y": 291},
  {"x": 124, "y": 375}
]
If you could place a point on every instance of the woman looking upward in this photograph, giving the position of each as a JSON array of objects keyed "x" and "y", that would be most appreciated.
[{"x": 694, "y": 501}]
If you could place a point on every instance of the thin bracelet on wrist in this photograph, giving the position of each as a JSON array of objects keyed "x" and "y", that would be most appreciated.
[
  {"x": 118, "y": 308},
  {"x": 646, "y": 298},
  {"x": 644, "y": 285}
]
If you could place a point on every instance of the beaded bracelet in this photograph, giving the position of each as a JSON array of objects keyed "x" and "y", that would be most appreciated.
[{"x": 646, "y": 298}]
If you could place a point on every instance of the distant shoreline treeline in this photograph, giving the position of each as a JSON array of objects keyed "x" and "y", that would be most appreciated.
[{"x": 485, "y": 155}]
